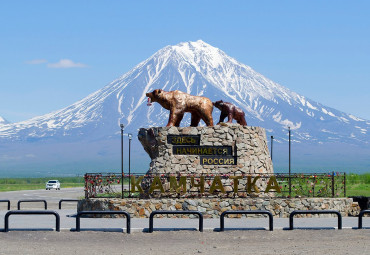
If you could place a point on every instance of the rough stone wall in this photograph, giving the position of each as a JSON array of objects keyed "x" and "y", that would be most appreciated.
[
  {"x": 212, "y": 208},
  {"x": 249, "y": 145}
]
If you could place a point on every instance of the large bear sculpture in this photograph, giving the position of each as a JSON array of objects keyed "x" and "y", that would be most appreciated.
[
  {"x": 178, "y": 103},
  {"x": 231, "y": 112}
]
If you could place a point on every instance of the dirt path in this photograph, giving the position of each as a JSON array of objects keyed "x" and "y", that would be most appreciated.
[{"x": 346, "y": 241}]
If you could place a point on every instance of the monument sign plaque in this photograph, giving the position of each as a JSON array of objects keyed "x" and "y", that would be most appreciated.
[{"x": 183, "y": 139}]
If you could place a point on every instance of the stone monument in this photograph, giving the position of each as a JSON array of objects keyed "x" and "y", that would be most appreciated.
[
  {"x": 212, "y": 151},
  {"x": 210, "y": 169},
  {"x": 223, "y": 150}
]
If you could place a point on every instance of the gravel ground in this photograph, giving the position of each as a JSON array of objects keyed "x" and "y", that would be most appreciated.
[
  {"x": 323, "y": 241},
  {"x": 345, "y": 241}
]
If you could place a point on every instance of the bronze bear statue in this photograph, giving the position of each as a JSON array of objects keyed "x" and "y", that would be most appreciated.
[
  {"x": 231, "y": 112},
  {"x": 178, "y": 103}
]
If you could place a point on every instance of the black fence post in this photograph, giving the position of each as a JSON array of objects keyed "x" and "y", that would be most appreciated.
[
  {"x": 86, "y": 191},
  {"x": 362, "y": 213},
  {"x": 332, "y": 184},
  {"x": 272, "y": 141},
  {"x": 122, "y": 175},
  {"x": 290, "y": 181},
  {"x": 345, "y": 183}
]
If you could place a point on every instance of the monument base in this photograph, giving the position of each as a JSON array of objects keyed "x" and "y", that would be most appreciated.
[
  {"x": 221, "y": 150},
  {"x": 213, "y": 207}
]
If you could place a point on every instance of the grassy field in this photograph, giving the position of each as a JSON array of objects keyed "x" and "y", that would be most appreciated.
[
  {"x": 13, "y": 184},
  {"x": 357, "y": 184}
]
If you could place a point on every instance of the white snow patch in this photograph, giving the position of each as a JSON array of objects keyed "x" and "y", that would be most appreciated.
[
  {"x": 286, "y": 123},
  {"x": 362, "y": 130},
  {"x": 355, "y": 118},
  {"x": 344, "y": 119},
  {"x": 302, "y": 100},
  {"x": 120, "y": 101},
  {"x": 51, "y": 124},
  {"x": 311, "y": 114},
  {"x": 327, "y": 131},
  {"x": 333, "y": 138},
  {"x": 311, "y": 106},
  {"x": 328, "y": 112}
]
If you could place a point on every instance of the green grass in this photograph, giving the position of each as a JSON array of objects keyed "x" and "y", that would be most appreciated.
[
  {"x": 358, "y": 185},
  {"x": 14, "y": 184}
]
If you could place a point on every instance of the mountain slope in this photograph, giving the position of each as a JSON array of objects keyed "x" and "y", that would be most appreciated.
[
  {"x": 3, "y": 121},
  {"x": 199, "y": 69}
]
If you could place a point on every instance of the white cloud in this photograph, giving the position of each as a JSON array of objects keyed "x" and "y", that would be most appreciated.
[
  {"x": 36, "y": 61},
  {"x": 66, "y": 63}
]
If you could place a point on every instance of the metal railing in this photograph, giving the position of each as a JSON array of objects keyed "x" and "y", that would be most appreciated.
[
  {"x": 200, "y": 185},
  {"x": 66, "y": 200},
  {"x": 291, "y": 216},
  {"x": 362, "y": 213},
  {"x": 57, "y": 217},
  {"x": 200, "y": 215},
  {"x": 151, "y": 217},
  {"x": 271, "y": 220},
  {"x": 32, "y": 201},
  {"x": 79, "y": 214}
]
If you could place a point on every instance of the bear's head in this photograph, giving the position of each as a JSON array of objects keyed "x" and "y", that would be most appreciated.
[
  {"x": 154, "y": 96},
  {"x": 218, "y": 104}
]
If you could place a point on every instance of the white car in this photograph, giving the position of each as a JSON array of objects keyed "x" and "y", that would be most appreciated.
[{"x": 52, "y": 184}]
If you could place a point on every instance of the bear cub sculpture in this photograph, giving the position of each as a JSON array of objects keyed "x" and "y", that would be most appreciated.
[
  {"x": 231, "y": 111},
  {"x": 178, "y": 103}
]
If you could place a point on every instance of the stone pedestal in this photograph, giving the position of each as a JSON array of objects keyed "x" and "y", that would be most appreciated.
[
  {"x": 220, "y": 161},
  {"x": 222, "y": 149},
  {"x": 213, "y": 207}
]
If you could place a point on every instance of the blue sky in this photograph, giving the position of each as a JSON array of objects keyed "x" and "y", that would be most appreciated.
[{"x": 53, "y": 53}]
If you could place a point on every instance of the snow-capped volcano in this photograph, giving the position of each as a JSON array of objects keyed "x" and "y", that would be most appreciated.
[{"x": 198, "y": 69}]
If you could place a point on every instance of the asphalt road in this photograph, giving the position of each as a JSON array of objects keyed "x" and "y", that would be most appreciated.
[{"x": 51, "y": 196}]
